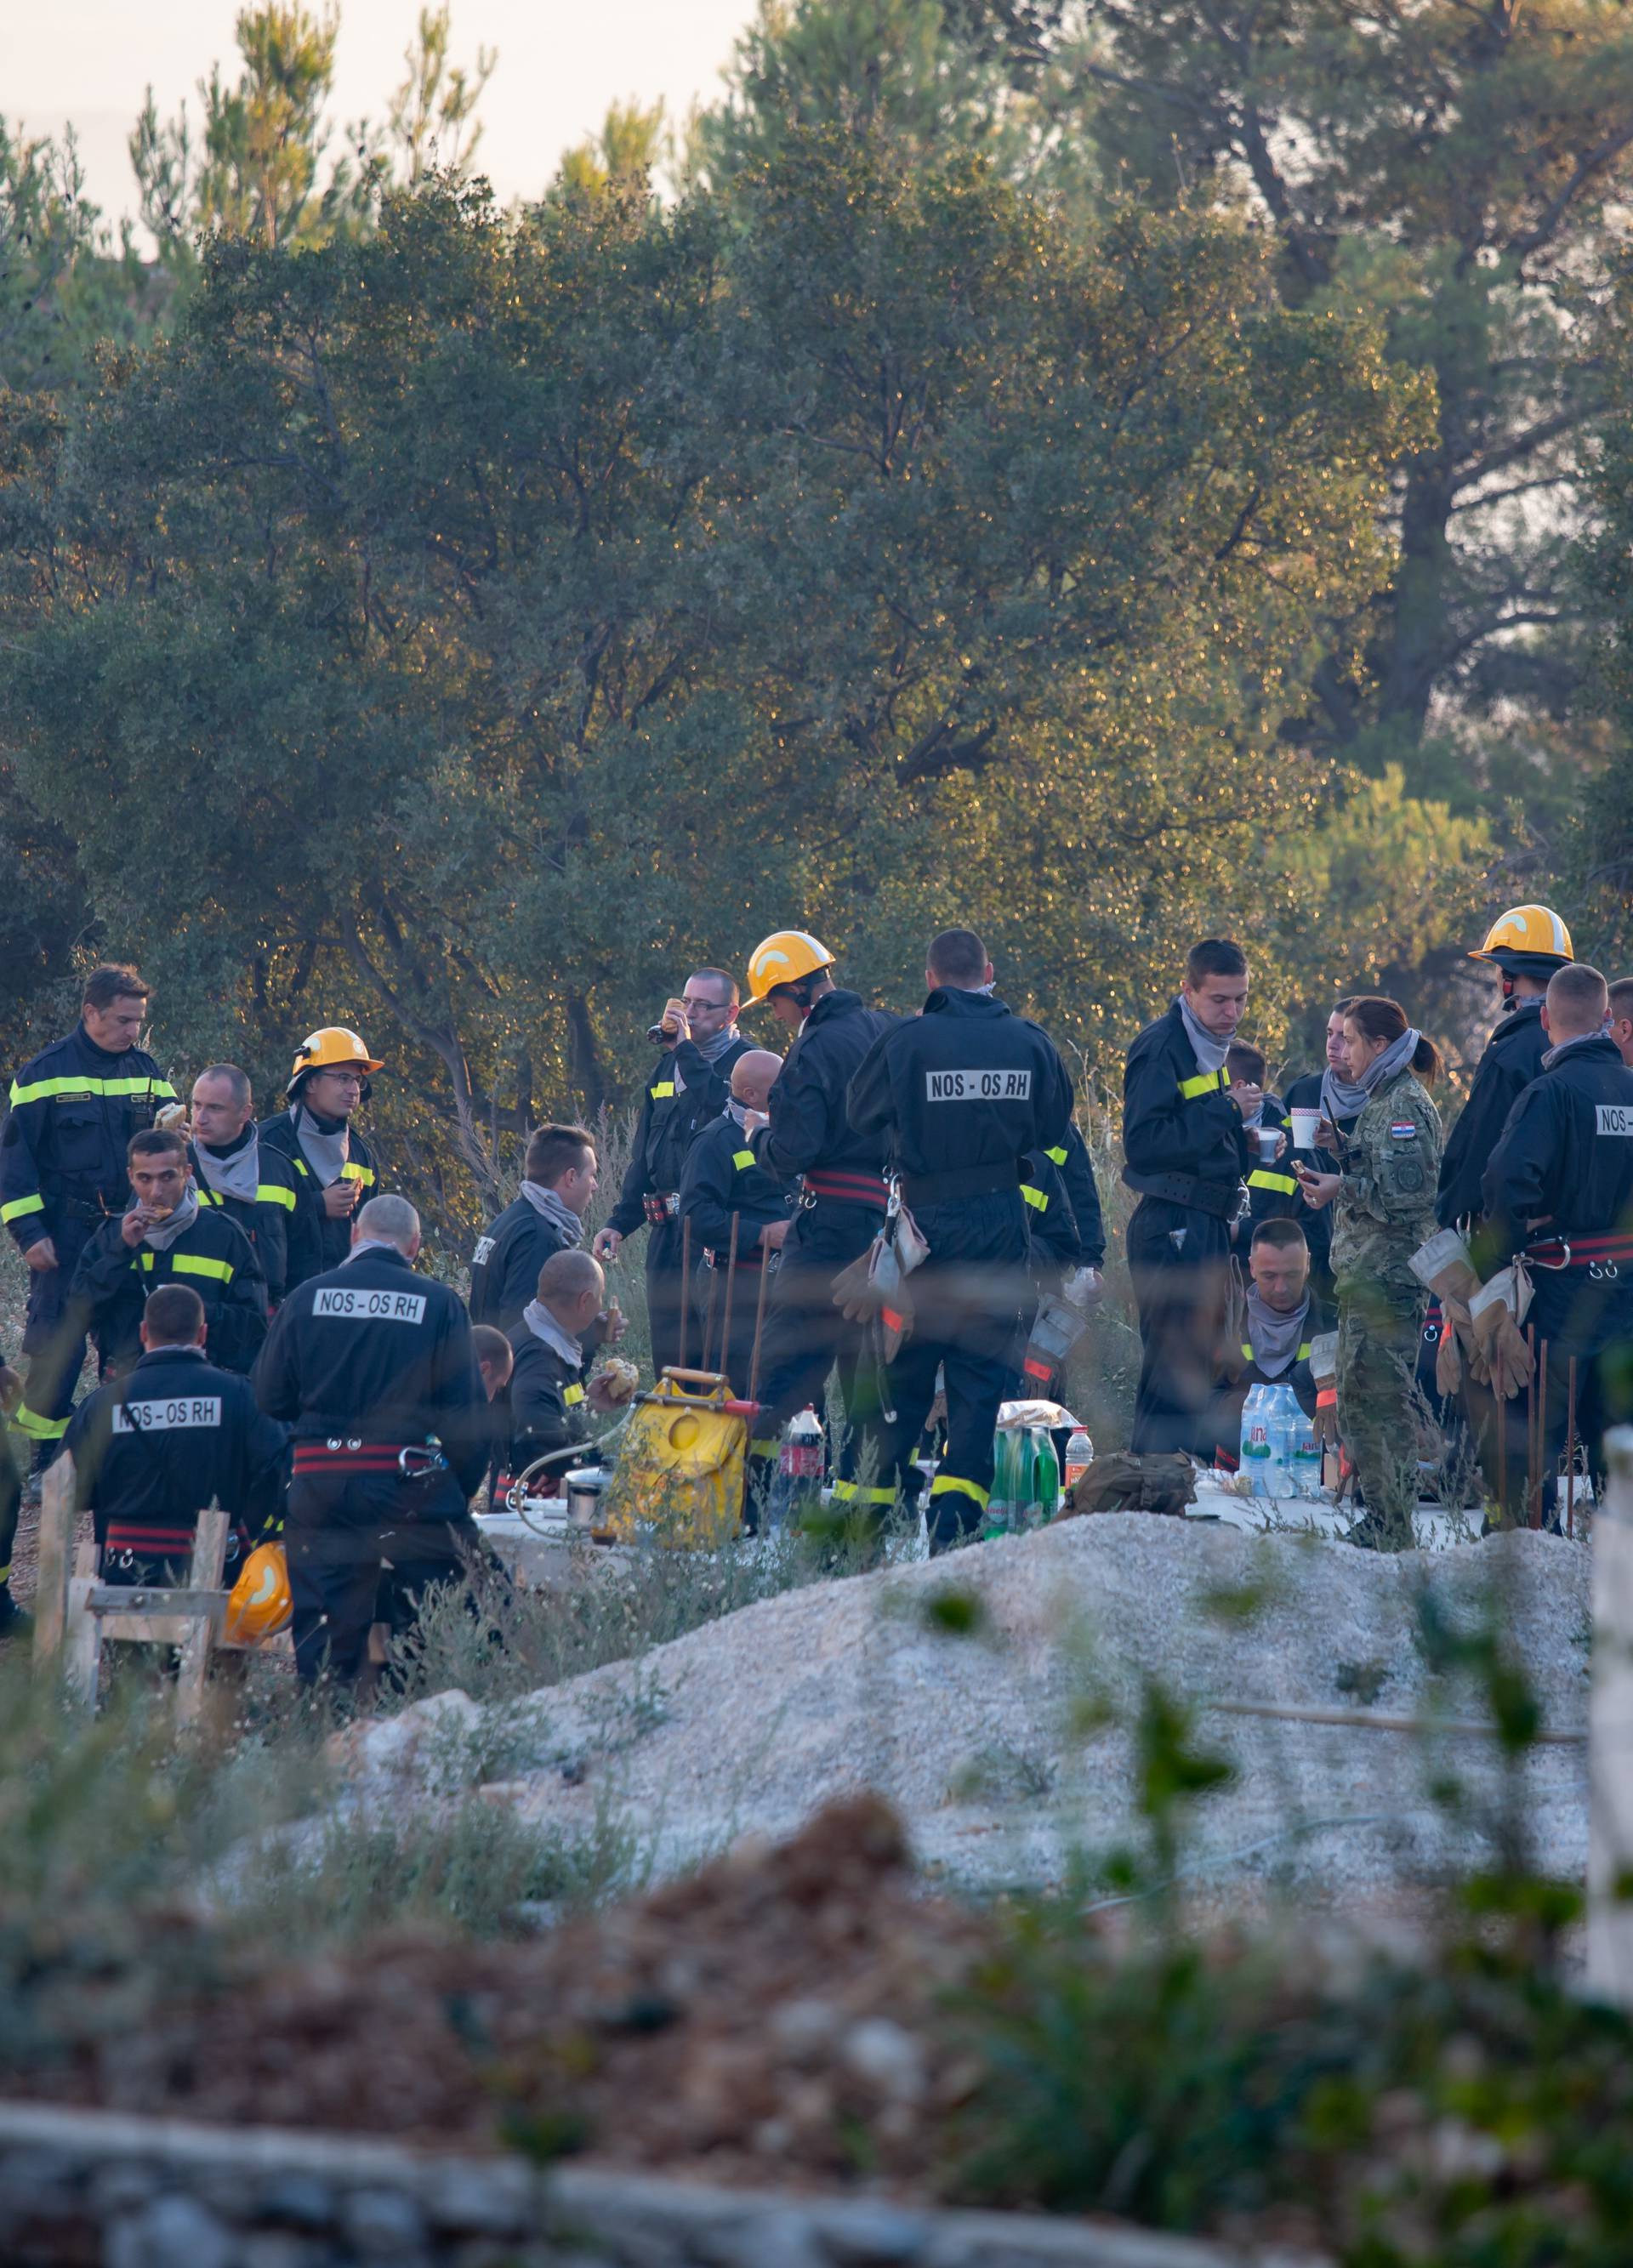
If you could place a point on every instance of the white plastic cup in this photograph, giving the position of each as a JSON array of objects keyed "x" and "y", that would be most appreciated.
[
  {"x": 1269, "y": 1140},
  {"x": 1305, "y": 1126}
]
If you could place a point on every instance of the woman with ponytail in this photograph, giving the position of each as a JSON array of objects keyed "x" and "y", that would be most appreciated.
[{"x": 1383, "y": 1200}]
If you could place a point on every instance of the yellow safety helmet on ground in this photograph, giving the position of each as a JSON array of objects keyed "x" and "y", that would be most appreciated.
[
  {"x": 783, "y": 958},
  {"x": 328, "y": 1049},
  {"x": 259, "y": 1604},
  {"x": 1528, "y": 940}
]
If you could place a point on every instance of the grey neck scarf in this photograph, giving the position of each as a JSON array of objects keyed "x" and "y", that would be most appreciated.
[
  {"x": 542, "y": 1324},
  {"x": 325, "y": 1153},
  {"x": 1209, "y": 1052},
  {"x": 711, "y": 1051},
  {"x": 1276, "y": 1339},
  {"x": 163, "y": 1233},
  {"x": 1564, "y": 1047},
  {"x": 232, "y": 1173},
  {"x": 1397, "y": 1056},
  {"x": 738, "y": 1113},
  {"x": 551, "y": 1207},
  {"x": 1341, "y": 1098}
]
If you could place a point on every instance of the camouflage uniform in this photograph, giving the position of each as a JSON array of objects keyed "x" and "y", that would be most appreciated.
[{"x": 1383, "y": 1211}]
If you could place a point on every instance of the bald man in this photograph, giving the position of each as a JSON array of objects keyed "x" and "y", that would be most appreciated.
[
  {"x": 550, "y": 1400},
  {"x": 720, "y": 1178}
]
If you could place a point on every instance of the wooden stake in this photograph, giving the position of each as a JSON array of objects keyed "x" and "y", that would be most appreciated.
[
  {"x": 708, "y": 1319},
  {"x": 731, "y": 1286},
  {"x": 1533, "y": 1517},
  {"x": 1571, "y": 1448},
  {"x": 759, "y": 1328},
  {"x": 57, "y": 1536},
  {"x": 685, "y": 1286},
  {"x": 1536, "y": 1521}
]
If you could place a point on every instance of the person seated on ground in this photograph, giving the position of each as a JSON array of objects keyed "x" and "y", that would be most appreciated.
[
  {"x": 550, "y": 1401},
  {"x": 166, "y": 1236},
  {"x": 559, "y": 1181},
  {"x": 495, "y": 1361},
  {"x": 1272, "y": 1191},
  {"x": 153, "y": 1448},
  {"x": 1283, "y": 1315},
  {"x": 1621, "y": 1024}
]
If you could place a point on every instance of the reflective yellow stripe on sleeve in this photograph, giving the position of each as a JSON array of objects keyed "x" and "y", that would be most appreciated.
[
  {"x": 194, "y": 1263},
  {"x": 572, "y": 1394},
  {"x": 662, "y": 1090},
  {"x": 19, "y": 1206},
  {"x": 1034, "y": 1197},
  {"x": 351, "y": 1173},
  {"x": 38, "y": 1428},
  {"x": 849, "y": 1492},
  {"x": 1262, "y": 1178},
  {"x": 742, "y": 1159},
  {"x": 270, "y": 1193},
  {"x": 1247, "y": 1349},
  {"x": 1056, "y": 1157},
  {"x": 1205, "y": 1082},
  {"x": 954, "y": 1485},
  {"x": 47, "y": 1090}
]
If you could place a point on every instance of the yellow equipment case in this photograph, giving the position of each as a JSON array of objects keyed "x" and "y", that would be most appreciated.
[{"x": 679, "y": 1475}]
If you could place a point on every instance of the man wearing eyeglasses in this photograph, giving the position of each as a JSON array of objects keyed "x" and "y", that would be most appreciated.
[{"x": 689, "y": 1086}]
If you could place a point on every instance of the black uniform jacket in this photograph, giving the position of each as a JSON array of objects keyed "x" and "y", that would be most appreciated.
[
  {"x": 504, "y": 1266},
  {"x": 1183, "y": 1137},
  {"x": 213, "y": 1258},
  {"x": 1563, "y": 1167},
  {"x": 1513, "y": 1058},
  {"x": 1273, "y": 1192},
  {"x": 151, "y": 1449},
  {"x": 1304, "y": 1093},
  {"x": 73, "y": 1110},
  {"x": 810, "y": 1129},
  {"x": 722, "y": 1177},
  {"x": 1069, "y": 1156},
  {"x": 371, "y": 1352},
  {"x": 547, "y": 1406},
  {"x": 962, "y": 1089},
  {"x": 1051, "y": 1223},
  {"x": 314, "y": 1242},
  {"x": 672, "y": 1113},
  {"x": 265, "y": 1220}
]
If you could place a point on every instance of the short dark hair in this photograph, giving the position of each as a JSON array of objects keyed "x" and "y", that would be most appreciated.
[
  {"x": 724, "y": 978},
  {"x": 111, "y": 981},
  {"x": 1214, "y": 956},
  {"x": 490, "y": 1343},
  {"x": 1279, "y": 1232},
  {"x": 1580, "y": 991},
  {"x": 553, "y": 1151},
  {"x": 239, "y": 1080},
  {"x": 155, "y": 1142},
  {"x": 1244, "y": 1060},
  {"x": 958, "y": 956},
  {"x": 174, "y": 1315},
  {"x": 1622, "y": 997}
]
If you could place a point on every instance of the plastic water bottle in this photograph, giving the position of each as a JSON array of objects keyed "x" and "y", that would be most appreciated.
[
  {"x": 1079, "y": 1456},
  {"x": 1285, "y": 1426},
  {"x": 799, "y": 1463},
  {"x": 1306, "y": 1462},
  {"x": 1256, "y": 1450}
]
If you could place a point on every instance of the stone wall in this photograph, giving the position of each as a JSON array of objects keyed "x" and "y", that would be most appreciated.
[{"x": 98, "y": 2190}]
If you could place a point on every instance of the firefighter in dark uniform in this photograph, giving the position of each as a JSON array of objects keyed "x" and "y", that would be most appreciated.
[
  {"x": 153, "y": 1448},
  {"x": 73, "y": 1110},
  {"x": 1187, "y": 1153},
  {"x": 960, "y": 1093},
  {"x": 235, "y": 1174},
  {"x": 373, "y": 1368},
  {"x": 723, "y": 1180},
  {"x": 687, "y": 1088},
  {"x": 1328, "y": 1091},
  {"x": 334, "y": 1170},
  {"x": 1066, "y": 1250},
  {"x": 1527, "y": 945},
  {"x": 1284, "y": 1316},
  {"x": 1559, "y": 1188},
  {"x": 809, "y": 1140},
  {"x": 552, "y": 1347},
  {"x": 1271, "y": 1187},
  {"x": 559, "y": 1180},
  {"x": 166, "y": 1236}
]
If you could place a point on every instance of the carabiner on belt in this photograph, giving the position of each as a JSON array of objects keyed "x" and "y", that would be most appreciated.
[
  {"x": 417, "y": 1464},
  {"x": 1550, "y": 1267}
]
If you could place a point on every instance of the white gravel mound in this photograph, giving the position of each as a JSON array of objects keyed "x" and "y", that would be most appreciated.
[{"x": 984, "y": 1743}]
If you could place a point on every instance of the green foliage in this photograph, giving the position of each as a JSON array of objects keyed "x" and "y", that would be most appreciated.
[{"x": 501, "y": 599}]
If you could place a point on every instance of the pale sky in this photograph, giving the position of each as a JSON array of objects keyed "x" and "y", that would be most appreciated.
[{"x": 560, "y": 63}]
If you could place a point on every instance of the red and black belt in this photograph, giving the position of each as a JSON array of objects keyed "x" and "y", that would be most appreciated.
[
  {"x": 1599, "y": 1251},
  {"x": 660, "y": 1205},
  {"x": 849, "y": 1189},
  {"x": 711, "y": 1259},
  {"x": 152, "y": 1541},
  {"x": 403, "y": 1460}
]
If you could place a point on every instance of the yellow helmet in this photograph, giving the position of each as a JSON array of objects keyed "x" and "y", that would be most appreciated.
[
  {"x": 259, "y": 1604},
  {"x": 326, "y": 1051},
  {"x": 783, "y": 958},
  {"x": 1533, "y": 936}
]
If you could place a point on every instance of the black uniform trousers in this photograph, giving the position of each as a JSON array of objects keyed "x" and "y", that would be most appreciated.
[
  {"x": 807, "y": 1338},
  {"x": 666, "y": 1297},
  {"x": 968, "y": 1299},
  {"x": 716, "y": 1341},
  {"x": 55, "y": 1332},
  {"x": 360, "y": 1552},
  {"x": 1179, "y": 1260},
  {"x": 1573, "y": 1314}
]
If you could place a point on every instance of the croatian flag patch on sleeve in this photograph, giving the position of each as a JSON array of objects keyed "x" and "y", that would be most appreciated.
[{"x": 1404, "y": 1130}]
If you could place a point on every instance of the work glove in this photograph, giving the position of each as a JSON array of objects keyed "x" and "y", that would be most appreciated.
[
  {"x": 1456, "y": 1328},
  {"x": 1444, "y": 1266},
  {"x": 1498, "y": 1311}
]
